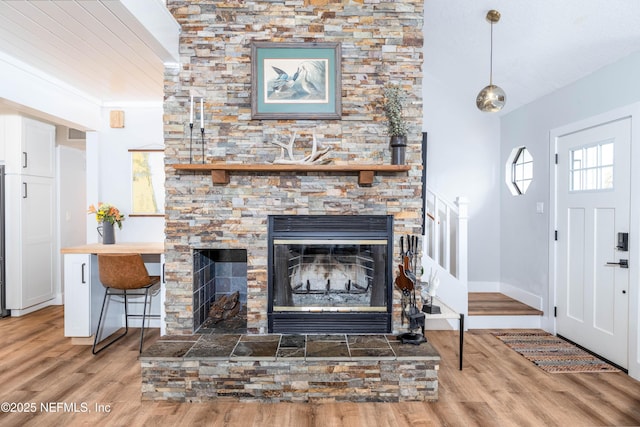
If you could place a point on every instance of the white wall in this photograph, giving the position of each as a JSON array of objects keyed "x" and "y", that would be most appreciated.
[
  {"x": 71, "y": 198},
  {"x": 524, "y": 233},
  {"x": 463, "y": 160},
  {"x": 109, "y": 168},
  {"x": 72, "y": 189}
]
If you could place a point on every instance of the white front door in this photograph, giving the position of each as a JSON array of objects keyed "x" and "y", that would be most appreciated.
[{"x": 593, "y": 192}]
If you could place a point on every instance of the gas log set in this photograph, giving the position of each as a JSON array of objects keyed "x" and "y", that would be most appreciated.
[{"x": 225, "y": 307}]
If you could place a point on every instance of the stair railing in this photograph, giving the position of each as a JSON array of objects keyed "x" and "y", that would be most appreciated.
[{"x": 446, "y": 233}]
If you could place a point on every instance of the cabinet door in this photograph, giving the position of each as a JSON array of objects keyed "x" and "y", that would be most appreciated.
[
  {"x": 77, "y": 295},
  {"x": 83, "y": 296},
  {"x": 38, "y": 238},
  {"x": 30, "y": 240},
  {"x": 27, "y": 146},
  {"x": 38, "y": 148}
]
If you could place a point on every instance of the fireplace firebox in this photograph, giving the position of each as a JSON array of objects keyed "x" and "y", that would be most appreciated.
[{"x": 330, "y": 273}]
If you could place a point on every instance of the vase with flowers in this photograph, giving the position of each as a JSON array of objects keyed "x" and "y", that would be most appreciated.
[{"x": 107, "y": 215}]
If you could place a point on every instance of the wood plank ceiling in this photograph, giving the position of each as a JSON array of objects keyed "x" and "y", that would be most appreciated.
[{"x": 99, "y": 46}]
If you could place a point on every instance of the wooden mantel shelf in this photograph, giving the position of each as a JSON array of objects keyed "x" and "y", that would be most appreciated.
[{"x": 220, "y": 171}]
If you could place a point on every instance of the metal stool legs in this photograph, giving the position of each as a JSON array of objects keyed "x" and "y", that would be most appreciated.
[
  {"x": 144, "y": 315},
  {"x": 107, "y": 293}
]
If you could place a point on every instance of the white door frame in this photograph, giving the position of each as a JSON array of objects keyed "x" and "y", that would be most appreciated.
[{"x": 632, "y": 111}]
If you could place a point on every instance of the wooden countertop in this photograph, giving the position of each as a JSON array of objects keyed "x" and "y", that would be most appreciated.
[{"x": 118, "y": 248}]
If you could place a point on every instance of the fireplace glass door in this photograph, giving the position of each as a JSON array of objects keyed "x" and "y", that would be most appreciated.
[{"x": 330, "y": 275}]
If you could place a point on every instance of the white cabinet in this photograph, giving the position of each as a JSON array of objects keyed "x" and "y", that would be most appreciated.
[
  {"x": 27, "y": 148},
  {"x": 83, "y": 298},
  {"x": 30, "y": 234},
  {"x": 77, "y": 296}
]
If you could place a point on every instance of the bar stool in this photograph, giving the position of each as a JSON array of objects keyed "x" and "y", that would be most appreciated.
[{"x": 124, "y": 275}]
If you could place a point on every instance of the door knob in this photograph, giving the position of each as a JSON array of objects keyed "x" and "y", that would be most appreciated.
[{"x": 624, "y": 263}]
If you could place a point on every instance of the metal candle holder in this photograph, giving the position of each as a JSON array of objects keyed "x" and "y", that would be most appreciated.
[
  {"x": 191, "y": 128},
  {"x": 202, "y": 133},
  {"x": 190, "y": 142}
]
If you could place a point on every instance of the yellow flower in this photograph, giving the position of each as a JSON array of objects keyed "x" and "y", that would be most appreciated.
[{"x": 107, "y": 213}]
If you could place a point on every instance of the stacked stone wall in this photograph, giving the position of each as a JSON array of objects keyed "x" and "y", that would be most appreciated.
[{"x": 381, "y": 42}]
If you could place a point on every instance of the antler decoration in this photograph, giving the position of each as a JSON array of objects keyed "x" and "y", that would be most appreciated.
[{"x": 316, "y": 156}]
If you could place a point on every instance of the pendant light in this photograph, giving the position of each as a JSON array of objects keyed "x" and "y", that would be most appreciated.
[{"x": 492, "y": 98}]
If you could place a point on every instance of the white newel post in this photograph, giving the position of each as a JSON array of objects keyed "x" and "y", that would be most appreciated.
[{"x": 462, "y": 246}]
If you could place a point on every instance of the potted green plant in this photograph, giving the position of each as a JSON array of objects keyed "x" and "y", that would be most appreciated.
[{"x": 394, "y": 98}]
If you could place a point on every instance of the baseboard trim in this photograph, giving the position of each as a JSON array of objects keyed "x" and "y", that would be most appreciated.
[
  {"x": 484, "y": 287},
  {"x": 23, "y": 311},
  {"x": 523, "y": 296}
]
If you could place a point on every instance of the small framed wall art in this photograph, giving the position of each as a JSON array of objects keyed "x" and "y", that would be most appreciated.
[{"x": 296, "y": 81}]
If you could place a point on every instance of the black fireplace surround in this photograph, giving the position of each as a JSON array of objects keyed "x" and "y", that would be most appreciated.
[{"x": 330, "y": 273}]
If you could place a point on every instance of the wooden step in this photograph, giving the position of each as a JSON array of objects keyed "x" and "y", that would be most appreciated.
[{"x": 497, "y": 304}]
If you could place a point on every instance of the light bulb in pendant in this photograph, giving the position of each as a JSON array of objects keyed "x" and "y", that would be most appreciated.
[{"x": 491, "y": 99}]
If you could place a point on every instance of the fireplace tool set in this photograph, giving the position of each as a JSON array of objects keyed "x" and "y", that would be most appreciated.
[{"x": 406, "y": 281}]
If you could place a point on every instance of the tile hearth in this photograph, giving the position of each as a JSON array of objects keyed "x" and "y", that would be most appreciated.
[{"x": 277, "y": 367}]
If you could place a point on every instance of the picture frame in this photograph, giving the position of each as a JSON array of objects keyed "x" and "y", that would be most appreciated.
[
  {"x": 147, "y": 182},
  {"x": 296, "y": 81}
]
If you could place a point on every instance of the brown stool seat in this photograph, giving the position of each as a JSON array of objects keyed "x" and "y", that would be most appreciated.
[{"x": 124, "y": 275}]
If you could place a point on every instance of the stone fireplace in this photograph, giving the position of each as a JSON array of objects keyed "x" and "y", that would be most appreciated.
[{"x": 381, "y": 42}]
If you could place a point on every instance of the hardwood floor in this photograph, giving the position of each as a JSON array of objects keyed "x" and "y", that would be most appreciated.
[
  {"x": 497, "y": 304},
  {"x": 496, "y": 388}
]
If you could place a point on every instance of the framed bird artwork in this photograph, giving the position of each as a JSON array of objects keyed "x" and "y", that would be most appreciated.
[{"x": 296, "y": 81}]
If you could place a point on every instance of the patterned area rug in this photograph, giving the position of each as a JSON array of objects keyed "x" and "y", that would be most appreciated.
[{"x": 552, "y": 354}]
